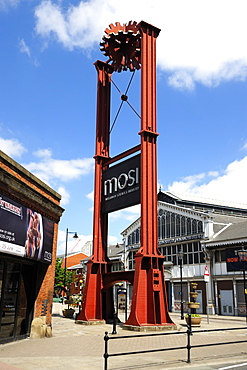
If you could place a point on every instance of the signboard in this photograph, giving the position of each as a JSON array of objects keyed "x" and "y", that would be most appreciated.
[
  {"x": 24, "y": 232},
  {"x": 206, "y": 274},
  {"x": 232, "y": 261},
  {"x": 121, "y": 185}
]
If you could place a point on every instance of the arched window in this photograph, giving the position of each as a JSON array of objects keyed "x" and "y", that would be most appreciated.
[
  {"x": 159, "y": 228},
  {"x": 129, "y": 239},
  {"x": 178, "y": 225},
  {"x": 188, "y": 231},
  {"x": 168, "y": 225},
  {"x": 138, "y": 235},
  {"x": 183, "y": 228},
  {"x": 173, "y": 220},
  {"x": 200, "y": 227},
  {"x": 163, "y": 226},
  {"x": 194, "y": 227}
]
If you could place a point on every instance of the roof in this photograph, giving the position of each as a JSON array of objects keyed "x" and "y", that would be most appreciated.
[
  {"x": 79, "y": 266},
  {"x": 115, "y": 250},
  {"x": 74, "y": 259},
  {"x": 197, "y": 199},
  {"x": 192, "y": 200},
  {"x": 230, "y": 234}
]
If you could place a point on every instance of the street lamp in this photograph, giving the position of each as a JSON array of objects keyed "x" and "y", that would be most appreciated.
[
  {"x": 65, "y": 255},
  {"x": 180, "y": 257},
  {"x": 242, "y": 255}
]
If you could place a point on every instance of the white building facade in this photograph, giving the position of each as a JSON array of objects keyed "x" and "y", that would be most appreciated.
[{"x": 205, "y": 233}]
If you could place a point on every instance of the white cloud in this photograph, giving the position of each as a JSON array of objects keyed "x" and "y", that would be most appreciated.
[
  {"x": 130, "y": 214},
  {"x": 24, "y": 48},
  {"x": 12, "y": 147},
  {"x": 5, "y": 4},
  {"x": 230, "y": 186},
  {"x": 244, "y": 146},
  {"x": 73, "y": 245},
  {"x": 65, "y": 195},
  {"x": 200, "y": 41},
  {"x": 90, "y": 196},
  {"x": 46, "y": 153},
  {"x": 49, "y": 169}
]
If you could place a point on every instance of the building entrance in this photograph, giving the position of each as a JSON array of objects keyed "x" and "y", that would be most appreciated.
[
  {"x": 226, "y": 302},
  {"x": 15, "y": 294}
]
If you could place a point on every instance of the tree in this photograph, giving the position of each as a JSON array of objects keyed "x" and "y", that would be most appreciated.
[{"x": 63, "y": 279}]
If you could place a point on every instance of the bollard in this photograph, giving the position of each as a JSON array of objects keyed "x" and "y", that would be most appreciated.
[
  {"x": 106, "y": 355},
  {"x": 114, "y": 323},
  {"x": 189, "y": 333}
]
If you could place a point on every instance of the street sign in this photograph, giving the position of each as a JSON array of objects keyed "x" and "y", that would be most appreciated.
[{"x": 206, "y": 274}]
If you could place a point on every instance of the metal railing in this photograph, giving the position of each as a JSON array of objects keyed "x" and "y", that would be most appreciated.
[{"x": 188, "y": 346}]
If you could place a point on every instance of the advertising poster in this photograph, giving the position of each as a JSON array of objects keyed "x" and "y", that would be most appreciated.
[
  {"x": 24, "y": 232},
  {"x": 232, "y": 261},
  {"x": 121, "y": 185}
]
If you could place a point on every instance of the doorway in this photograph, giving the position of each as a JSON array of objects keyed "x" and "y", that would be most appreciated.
[
  {"x": 16, "y": 292},
  {"x": 226, "y": 302},
  {"x": 199, "y": 299}
]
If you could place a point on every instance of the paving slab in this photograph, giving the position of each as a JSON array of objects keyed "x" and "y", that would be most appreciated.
[{"x": 74, "y": 346}]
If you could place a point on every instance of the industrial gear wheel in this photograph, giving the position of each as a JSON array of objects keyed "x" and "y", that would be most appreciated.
[{"x": 122, "y": 45}]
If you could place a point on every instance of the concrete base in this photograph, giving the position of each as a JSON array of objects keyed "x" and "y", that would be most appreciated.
[
  {"x": 150, "y": 327},
  {"x": 91, "y": 322}
]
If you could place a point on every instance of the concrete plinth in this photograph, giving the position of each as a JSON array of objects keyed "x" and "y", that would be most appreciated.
[
  {"x": 91, "y": 322},
  {"x": 150, "y": 327}
]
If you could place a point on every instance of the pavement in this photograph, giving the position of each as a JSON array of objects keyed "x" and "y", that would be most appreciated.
[{"x": 74, "y": 346}]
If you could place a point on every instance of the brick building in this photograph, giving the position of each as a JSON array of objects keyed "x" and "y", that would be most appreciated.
[
  {"x": 73, "y": 263},
  {"x": 29, "y": 215}
]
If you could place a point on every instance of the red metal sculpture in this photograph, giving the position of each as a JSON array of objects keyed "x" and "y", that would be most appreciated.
[{"x": 130, "y": 46}]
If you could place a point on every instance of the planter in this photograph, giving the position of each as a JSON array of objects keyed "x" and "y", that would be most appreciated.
[
  {"x": 195, "y": 321},
  {"x": 193, "y": 285},
  {"x": 194, "y": 304},
  {"x": 68, "y": 312},
  {"x": 194, "y": 295}
]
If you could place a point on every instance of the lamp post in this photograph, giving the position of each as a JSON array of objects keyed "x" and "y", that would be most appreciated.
[
  {"x": 180, "y": 257},
  {"x": 66, "y": 249},
  {"x": 242, "y": 255}
]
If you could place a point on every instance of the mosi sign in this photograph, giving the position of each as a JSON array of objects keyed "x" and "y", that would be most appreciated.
[{"x": 121, "y": 185}]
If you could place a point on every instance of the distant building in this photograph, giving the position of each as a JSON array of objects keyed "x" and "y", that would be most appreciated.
[
  {"x": 73, "y": 263},
  {"x": 73, "y": 259},
  {"x": 207, "y": 234}
]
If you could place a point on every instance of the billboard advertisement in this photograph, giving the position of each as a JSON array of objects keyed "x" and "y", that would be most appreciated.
[
  {"x": 24, "y": 232},
  {"x": 121, "y": 185},
  {"x": 232, "y": 261}
]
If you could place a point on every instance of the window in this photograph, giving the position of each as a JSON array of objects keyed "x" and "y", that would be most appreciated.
[
  {"x": 223, "y": 255},
  {"x": 177, "y": 225},
  {"x": 183, "y": 231},
  {"x": 171, "y": 225},
  {"x": 192, "y": 253},
  {"x": 168, "y": 225},
  {"x": 188, "y": 226},
  {"x": 131, "y": 260}
]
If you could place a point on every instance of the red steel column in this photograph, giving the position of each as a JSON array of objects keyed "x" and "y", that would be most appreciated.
[
  {"x": 149, "y": 227},
  {"x": 149, "y": 305},
  {"x": 97, "y": 265}
]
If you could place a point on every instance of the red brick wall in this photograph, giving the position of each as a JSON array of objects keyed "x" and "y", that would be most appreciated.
[
  {"x": 19, "y": 184},
  {"x": 43, "y": 304}
]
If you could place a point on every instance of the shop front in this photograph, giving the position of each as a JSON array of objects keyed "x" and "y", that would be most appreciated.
[{"x": 29, "y": 215}]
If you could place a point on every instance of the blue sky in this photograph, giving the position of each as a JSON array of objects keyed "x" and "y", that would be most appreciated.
[{"x": 48, "y": 98}]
